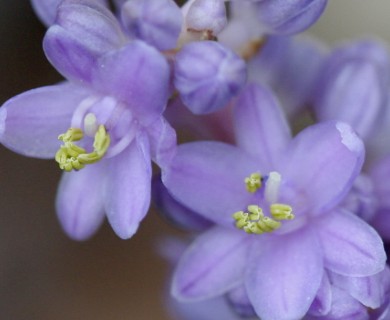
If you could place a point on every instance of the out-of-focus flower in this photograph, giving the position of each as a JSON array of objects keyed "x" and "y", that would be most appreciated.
[
  {"x": 290, "y": 65},
  {"x": 353, "y": 86},
  {"x": 278, "y": 232},
  {"x": 108, "y": 116}
]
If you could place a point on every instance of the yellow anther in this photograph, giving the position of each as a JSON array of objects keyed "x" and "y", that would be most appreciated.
[
  {"x": 73, "y": 134},
  {"x": 271, "y": 223},
  {"x": 263, "y": 226},
  {"x": 281, "y": 211},
  {"x": 255, "y": 212},
  {"x": 253, "y": 182},
  {"x": 252, "y": 227},
  {"x": 241, "y": 218},
  {"x": 72, "y": 157}
]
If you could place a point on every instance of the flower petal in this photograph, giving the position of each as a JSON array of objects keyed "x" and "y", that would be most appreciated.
[
  {"x": 370, "y": 290},
  {"x": 351, "y": 247},
  {"x": 208, "y": 177},
  {"x": 260, "y": 126},
  {"x": 84, "y": 30},
  {"x": 284, "y": 275},
  {"x": 79, "y": 201},
  {"x": 128, "y": 187},
  {"x": 321, "y": 164},
  {"x": 31, "y": 122},
  {"x": 344, "y": 307},
  {"x": 124, "y": 73},
  {"x": 174, "y": 211},
  {"x": 212, "y": 265},
  {"x": 162, "y": 141}
]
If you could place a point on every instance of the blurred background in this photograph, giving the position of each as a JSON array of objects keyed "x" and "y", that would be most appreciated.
[{"x": 43, "y": 274}]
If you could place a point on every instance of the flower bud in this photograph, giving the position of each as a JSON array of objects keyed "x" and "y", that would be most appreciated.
[{"x": 207, "y": 75}]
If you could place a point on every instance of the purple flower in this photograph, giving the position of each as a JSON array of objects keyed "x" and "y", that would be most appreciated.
[
  {"x": 108, "y": 116},
  {"x": 207, "y": 75},
  {"x": 279, "y": 234}
]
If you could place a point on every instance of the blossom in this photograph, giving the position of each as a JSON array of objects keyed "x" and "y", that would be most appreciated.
[
  {"x": 278, "y": 232},
  {"x": 108, "y": 117}
]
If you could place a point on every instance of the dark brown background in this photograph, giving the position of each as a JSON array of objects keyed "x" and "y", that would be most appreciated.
[{"x": 43, "y": 274}]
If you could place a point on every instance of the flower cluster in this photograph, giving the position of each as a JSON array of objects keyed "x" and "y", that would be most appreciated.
[{"x": 288, "y": 222}]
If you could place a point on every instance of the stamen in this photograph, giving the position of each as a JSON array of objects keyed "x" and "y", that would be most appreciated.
[
  {"x": 255, "y": 222},
  {"x": 272, "y": 187},
  {"x": 281, "y": 211},
  {"x": 72, "y": 157},
  {"x": 253, "y": 182}
]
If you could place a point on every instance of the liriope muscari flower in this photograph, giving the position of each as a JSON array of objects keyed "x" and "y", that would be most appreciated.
[
  {"x": 104, "y": 125},
  {"x": 274, "y": 201}
]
